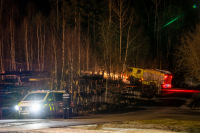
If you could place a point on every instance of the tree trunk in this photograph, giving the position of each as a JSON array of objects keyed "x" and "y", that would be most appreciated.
[
  {"x": 156, "y": 30},
  {"x": 88, "y": 45},
  {"x": 55, "y": 59},
  {"x": 79, "y": 52},
  {"x": 26, "y": 44},
  {"x": 43, "y": 45},
  {"x": 1, "y": 42},
  {"x": 120, "y": 27},
  {"x": 63, "y": 55},
  {"x": 1, "y": 53},
  {"x": 12, "y": 50},
  {"x": 31, "y": 57},
  {"x": 110, "y": 20},
  {"x": 57, "y": 15},
  {"x": 94, "y": 30},
  {"x": 71, "y": 65},
  {"x": 38, "y": 41},
  {"x": 69, "y": 60}
]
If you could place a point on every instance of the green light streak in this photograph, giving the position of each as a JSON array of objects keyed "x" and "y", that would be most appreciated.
[{"x": 171, "y": 21}]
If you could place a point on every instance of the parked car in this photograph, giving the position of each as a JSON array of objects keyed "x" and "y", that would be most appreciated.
[{"x": 41, "y": 104}]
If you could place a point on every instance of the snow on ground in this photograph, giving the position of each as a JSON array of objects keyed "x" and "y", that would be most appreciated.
[{"x": 105, "y": 130}]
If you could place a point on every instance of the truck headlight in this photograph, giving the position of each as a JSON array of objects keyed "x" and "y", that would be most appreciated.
[
  {"x": 16, "y": 107},
  {"x": 35, "y": 107}
]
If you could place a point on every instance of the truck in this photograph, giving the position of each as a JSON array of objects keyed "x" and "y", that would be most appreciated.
[{"x": 150, "y": 81}]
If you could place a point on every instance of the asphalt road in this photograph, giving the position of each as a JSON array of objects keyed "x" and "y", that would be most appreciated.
[{"x": 169, "y": 107}]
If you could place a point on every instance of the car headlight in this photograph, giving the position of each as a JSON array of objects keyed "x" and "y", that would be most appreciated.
[
  {"x": 35, "y": 107},
  {"x": 16, "y": 107}
]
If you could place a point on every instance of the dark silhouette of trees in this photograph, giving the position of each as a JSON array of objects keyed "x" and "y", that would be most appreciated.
[
  {"x": 78, "y": 35},
  {"x": 188, "y": 56}
]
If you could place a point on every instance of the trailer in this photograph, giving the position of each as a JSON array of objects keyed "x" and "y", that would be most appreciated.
[{"x": 149, "y": 81}]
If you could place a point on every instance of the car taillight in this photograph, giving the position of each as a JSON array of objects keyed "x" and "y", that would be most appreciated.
[
  {"x": 163, "y": 86},
  {"x": 170, "y": 86},
  {"x": 166, "y": 86}
]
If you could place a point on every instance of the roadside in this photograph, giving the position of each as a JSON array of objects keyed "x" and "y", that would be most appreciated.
[
  {"x": 155, "y": 125},
  {"x": 122, "y": 127},
  {"x": 138, "y": 126},
  {"x": 175, "y": 116},
  {"x": 69, "y": 130}
]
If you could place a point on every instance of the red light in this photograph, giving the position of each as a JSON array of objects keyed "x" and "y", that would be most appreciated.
[
  {"x": 165, "y": 76},
  {"x": 177, "y": 90},
  {"x": 166, "y": 86},
  {"x": 170, "y": 86}
]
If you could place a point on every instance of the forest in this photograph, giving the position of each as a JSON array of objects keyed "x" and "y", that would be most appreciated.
[{"x": 65, "y": 37}]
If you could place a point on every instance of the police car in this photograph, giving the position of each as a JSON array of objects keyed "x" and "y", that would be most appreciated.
[{"x": 41, "y": 104}]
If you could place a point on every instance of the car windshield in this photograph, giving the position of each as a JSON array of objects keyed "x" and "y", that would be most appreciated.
[{"x": 35, "y": 97}]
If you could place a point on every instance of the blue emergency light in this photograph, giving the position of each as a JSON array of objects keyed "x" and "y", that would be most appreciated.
[{"x": 41, "y": 90}]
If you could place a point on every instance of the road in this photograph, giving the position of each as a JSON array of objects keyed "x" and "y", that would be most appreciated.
[
  {"x": 168, "y": 108},
  {"x": 134, "y": 113}
]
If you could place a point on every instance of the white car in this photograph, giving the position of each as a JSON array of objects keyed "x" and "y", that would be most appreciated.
[{"x": 41, "y": 104}]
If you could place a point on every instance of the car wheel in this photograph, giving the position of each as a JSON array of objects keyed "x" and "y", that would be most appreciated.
[{"x": 43, "y": 115}]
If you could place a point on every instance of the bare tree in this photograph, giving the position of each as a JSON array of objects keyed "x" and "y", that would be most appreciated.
[
  {"x": 188, "y": 56},
  {"x": 1, "y": 40},
  {"x": 79, "y": 52},
  {"x": 55, "y": 61},
  {"x": 88, "y": 45},
  {"x": 156, "y": 2},
  {"x": 43, "y": 45},
  {"x": 63, "y": 52},
  {"x": 64, "y": 15},
  {"x": 53, "y": 35},
  {"x": 26, "y": 44},
  {"x": 121, "y": 7},
  {"x": 12, "y": 39},
  {"x": 72, "y": 60},
  {"x": 55, "y": 7},
  {"x": 38, "y": 39},
  {"x": 131, "y": 36}
]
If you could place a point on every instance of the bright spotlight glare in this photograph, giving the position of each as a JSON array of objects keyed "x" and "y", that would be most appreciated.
[
  {"x": 17, "y": 107},
  {"x": 35, "y": 107}
]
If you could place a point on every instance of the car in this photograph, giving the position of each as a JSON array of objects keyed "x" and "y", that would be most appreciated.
[{"x": 41, "y": 104}]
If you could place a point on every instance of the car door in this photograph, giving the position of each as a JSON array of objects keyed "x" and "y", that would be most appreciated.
[
  {"x": 51, "y": 110},
  {"x": 58, "y": 103}
]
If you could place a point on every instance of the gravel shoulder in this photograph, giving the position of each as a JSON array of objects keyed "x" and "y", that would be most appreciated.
[
  {"x": 116, "y": 127},
  {"x": 108, "y": 130}
]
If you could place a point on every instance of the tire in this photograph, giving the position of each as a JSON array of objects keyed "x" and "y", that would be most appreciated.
[
  {"x": 153, "y": 90},
  {"x": 132, "y": 80},
  {"x": 43, "y": 115}
]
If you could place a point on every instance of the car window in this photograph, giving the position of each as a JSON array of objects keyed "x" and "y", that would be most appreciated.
[
  {"x": 58, "y": 96},
  {"x": 130, "y": 70},
  {"x": 35, "y": 97},
  {"x": 138, "y": 71},
  {"x": 50, "y": 97}
]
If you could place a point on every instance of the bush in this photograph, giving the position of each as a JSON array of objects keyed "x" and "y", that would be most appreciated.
[{"x": 195, "y": 101}]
